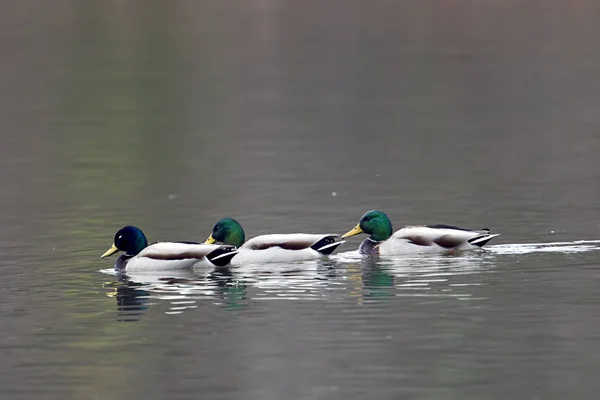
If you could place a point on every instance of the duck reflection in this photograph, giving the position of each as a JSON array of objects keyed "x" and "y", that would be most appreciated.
[
  {"x": 373, "y": 281},
  {"x": 378, "y": 282},
  {"x": 182, "y": 289},
  {"x": 132, "y": 299},
  {"x": 446, "y": 275},
  {"x": 231, "y": 292}
]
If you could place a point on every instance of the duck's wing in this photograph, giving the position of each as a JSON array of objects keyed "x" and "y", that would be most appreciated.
[
  {"x": 166, "y": 251},
  {"x": 446, "y": 236},
  {"x": 323, "y": 243}
]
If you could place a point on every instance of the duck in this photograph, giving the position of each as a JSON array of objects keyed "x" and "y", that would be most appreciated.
[
  {"x": 139, "y": 256},
  {"x": 414, "y": 239},
  {"x": 273, "y": 247}
]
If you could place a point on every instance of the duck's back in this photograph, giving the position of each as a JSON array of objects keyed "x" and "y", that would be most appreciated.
[
  {"x": 290, "y": 241},
  {"x": 430, "y": 238},
  {"x": 286, "y": 248},
  {"x": 171, "y": 256}
]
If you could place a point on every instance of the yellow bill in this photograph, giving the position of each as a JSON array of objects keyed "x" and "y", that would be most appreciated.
[
  {"x": 355, "y": 231},
  {"x": 113, "y": 249},
  {"x": 210, "y": 240}
]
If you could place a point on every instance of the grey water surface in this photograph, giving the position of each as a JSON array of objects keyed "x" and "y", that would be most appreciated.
[{"x": 299, "y": 117}]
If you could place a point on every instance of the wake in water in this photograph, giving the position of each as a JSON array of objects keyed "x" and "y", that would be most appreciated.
[
  {"x": 342, "y": 276},
  {"x": 577, "y": 246}
]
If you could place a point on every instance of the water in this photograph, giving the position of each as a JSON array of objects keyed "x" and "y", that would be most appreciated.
[{"x": 300, "y": 117}]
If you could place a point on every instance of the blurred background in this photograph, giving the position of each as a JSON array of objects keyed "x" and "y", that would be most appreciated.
[{"x": 299, "y": 117}]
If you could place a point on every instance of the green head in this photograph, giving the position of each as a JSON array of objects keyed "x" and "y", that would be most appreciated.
[
  {"x": 129, "y": 239},
  {"x": 227, "y": 231},
  {"x": 375, "y": 223}
]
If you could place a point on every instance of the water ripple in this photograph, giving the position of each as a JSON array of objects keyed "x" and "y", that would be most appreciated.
[{"x": 347, "y": 276}]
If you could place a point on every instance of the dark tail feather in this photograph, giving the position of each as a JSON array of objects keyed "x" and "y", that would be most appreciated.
[
  {"x": 327, "y": 245},
  {"x": 222, "y": 256},
  {"x": 481, "y": 240}
]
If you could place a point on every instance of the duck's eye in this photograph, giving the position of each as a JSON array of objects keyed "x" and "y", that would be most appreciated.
[{"x": 217, "y": 227}]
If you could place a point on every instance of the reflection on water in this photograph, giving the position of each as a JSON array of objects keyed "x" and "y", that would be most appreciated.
[
  {"x": 346, "y": 276},
  {"x": 132, "y": 299}
]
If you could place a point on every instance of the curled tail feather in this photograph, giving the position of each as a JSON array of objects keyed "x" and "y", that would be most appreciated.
[
  {"x": 327, "y": 245},
  {"x": 222, "y": 256},
  {"x": 481, "y": 240}
]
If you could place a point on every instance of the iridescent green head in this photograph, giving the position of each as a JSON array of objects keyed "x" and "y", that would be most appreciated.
[
  {"x": 227, "y": 231},
  {"x": 129, "y": 239},
  {"x": 376, "y": 224}
]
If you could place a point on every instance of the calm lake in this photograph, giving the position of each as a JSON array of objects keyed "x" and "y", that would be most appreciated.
[{"x": 299, "y": 117}]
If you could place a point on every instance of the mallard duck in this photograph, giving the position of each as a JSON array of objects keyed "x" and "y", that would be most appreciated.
[
  {"x": 272, "y": 248},
  {"x": 139, "y": 256},
  {"x": 414, "y": 238}
]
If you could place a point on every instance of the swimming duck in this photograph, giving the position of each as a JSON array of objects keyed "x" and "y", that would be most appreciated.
[
  {"x": 139, "y": 256},
  {"x": 272, "y": 248},
  {"x": 414, "y": 238}
]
